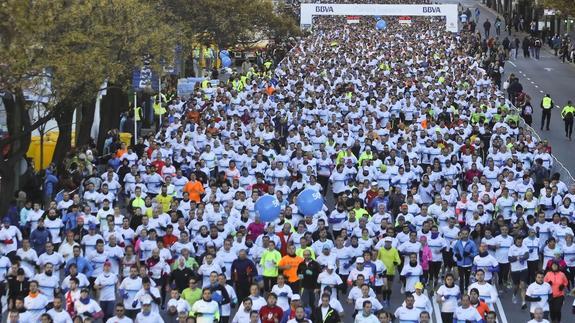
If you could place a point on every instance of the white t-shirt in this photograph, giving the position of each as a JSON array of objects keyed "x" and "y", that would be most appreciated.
[
  {"x": 404, "y": 314},
  {"x": 108, "y": 282},
  {"x": 92, "y": 307},
  {"x": 36, "y": 306},
  {"x": 539, "y": 290},
  {"x": 131, "y": 286},
  {"x": 463, "y": 315},
  {"x": 151, "y": 317},
  {"x": 284, "y": 293},
  {"x": 60, "y": 317},
  {"x": 205, "y": 311},
  {"x": 449, "y": 296}
]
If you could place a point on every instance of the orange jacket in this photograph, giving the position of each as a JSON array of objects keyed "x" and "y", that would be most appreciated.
[
  {"x": 195, "y": 189},
  {"x": 556, "y": 279}
]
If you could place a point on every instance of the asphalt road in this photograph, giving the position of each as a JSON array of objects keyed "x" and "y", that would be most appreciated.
[{"x": 538, "y": 77}]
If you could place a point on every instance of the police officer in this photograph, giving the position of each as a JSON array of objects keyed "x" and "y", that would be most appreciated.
[
  {"x": 547, "y": 106},
  {"x": 567, "y": 115}
]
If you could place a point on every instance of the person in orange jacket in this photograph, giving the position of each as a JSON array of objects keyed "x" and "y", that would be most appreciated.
[{"x": 558, "y": 281}]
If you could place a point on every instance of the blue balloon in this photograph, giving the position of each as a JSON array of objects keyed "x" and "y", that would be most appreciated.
[
  {"x": 380, "y": 25},
  {"x": 226, "y": 62},
  {"x": 224, "y": 53},
  {"x": 268, "y": 208},
  {"x": 309, "y": 202}
]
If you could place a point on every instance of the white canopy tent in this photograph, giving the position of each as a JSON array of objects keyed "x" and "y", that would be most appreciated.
[{"x": 449, "y": 11}]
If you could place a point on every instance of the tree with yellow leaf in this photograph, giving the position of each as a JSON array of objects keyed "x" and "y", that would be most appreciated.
[
  {"x": 81, "y": 43},
  {"x": 566, "y": 7}
]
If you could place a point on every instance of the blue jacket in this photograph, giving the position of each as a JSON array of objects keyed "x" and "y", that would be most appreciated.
[
  {"x": 287, "y": 314},
  {"x": 465, "y": 255},
  {"x": 83, "y": 265},
  {"x": 38, "y": 239},
  {"x": 70, "y": 220}
]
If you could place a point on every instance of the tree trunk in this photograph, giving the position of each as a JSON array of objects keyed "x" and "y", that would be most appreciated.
[
  {"x": 112, "y": 105},
  {"x": 64, "y": 143},
  {"x": 84, "y": 128},
  {"x": 19, "y": 128}
]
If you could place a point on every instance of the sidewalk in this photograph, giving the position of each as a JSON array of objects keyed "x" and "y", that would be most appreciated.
[{"x": 520, "y": 34}]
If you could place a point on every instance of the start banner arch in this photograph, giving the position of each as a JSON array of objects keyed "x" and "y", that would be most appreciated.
[{"x": 449, "y": 11}]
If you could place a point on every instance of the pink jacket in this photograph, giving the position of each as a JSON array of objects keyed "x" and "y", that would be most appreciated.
[{"x": 425, "y": 257}]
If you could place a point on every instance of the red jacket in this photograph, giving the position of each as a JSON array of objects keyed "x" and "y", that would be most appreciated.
[{"x": 270, "y": 314}]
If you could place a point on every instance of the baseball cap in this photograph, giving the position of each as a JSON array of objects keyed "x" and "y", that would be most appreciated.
[
  {"x": 388, "y": 239},
  {"x": 296, "y": 297},
  {"x": 331, "y": 266},
  {"x": 360, "y": 260},
  {"x": 92, "y": 226},
  {"x": 146, "y": 300},
  {"x": 418, "y": 285}
]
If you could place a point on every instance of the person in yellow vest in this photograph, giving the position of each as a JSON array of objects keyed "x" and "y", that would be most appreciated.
[
  {"x": 138, "y": 116},
  {"x": 159, "y": 111},
  {"x": 209, "y": 57},
  {"x": 567, "y": 114},
  {"x": 205, "y": 84},
  {"x": 196, "y": 53},
  {"x": 547, "y": 106}
]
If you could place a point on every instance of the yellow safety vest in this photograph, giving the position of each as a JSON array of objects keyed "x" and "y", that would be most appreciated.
[
  {"x": 237, "y": 85},
  {"x": 159, "y": 109},
  {"x": 197, "y": 53},
  {"x": 137, "y": 113},
  {"x": 205, "y": 84},
  {"x": 208, "y": 52},
  {"x": 547, "y": 103}
]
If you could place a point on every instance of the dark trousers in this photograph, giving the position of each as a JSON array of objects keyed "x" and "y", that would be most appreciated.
[
  {"x": 132, "y": 313},
  {"x": 242, "y": 290},
  {"x": 447, "y": 316},
  {"x": 323, "y": 181},
  {"x": 295, "y": 287},
  {"x": 308, "y": 297},
  {"x": 464, "y": 275},
  {"x": 555, "y": 304},
  {"x": 434, "y": 268},
  {"x": 108, "y": 309},
  {"x": 571, "y": 276},
  {"x": 269, "y": 282},
  {"x": 504, "y": 273},
  {"x": 546, "y": 116},
  {"x": 568, "y": 127}
]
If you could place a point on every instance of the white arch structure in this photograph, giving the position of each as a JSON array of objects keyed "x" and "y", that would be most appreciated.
[{"x": 449, "y": 11}]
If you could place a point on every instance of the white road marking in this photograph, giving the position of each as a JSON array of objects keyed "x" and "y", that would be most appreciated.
[
  {"x": 437, "y": 310},
  {"x": 536, "y": 86},
  {"x": 501, "y": 311},
  {"x": 532, "y": 82},
  {"x": 510, "y": 62},
  {"x": 548, "y": 69},
  {"x": 541, "y": 91}
]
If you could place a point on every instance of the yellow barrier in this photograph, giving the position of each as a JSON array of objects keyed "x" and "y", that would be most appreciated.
[
  {"x": 49, "y": 146},
  {"x": 126, "y": 138}
]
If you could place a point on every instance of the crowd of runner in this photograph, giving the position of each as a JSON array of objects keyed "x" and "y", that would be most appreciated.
[{"x": 430, "y": 182}]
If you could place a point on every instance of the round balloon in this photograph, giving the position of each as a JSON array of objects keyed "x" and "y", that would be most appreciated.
[
  {"x": 309, "y": 201},
  {"x": 226, "y": 62},
  {"x": 380, "y": 25},
  {"x": 268, "y": 208},
  {"x": 224, "y": 53}
]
